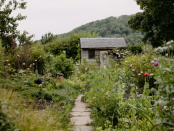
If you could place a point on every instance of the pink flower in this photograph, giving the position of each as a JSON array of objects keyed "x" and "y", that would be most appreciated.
[{"x": 156, "y": 63}]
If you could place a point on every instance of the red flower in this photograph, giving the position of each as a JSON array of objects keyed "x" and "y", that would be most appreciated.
[{"x": 146, "y": 74}]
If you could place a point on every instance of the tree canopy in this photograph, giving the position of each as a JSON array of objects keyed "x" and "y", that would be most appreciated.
[
  {"x": 156, "y": 21},
  {"x": 8, "y": 22},
  {"x": 111, "y": 27}
]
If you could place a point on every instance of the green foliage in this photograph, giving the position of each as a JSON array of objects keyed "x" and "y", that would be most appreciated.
[
  {"x": 1, "y": 59},
  {"x": 156, "y": 21},
  {"x": 24, "y": 39},
  {"x": 48, "y": 37},
  {"x": 111, "y": 27},
  {"x": 9, "y": 22},
  {"x": 122, "y": 98},
  {"x": 70, "y": 44},
  {"x": 139, "y": 64},
  {"x": 164, "y": 95},
  {"x": 38, "y": 57},
  {"x": 135, "y": 49},
  {"x": 59, "y": 97},
  {"x": 119, "y": 54},
  {"x": 5, "y": 125},
  {"x": 114, "y": 100},
  {"x": 60, "y": 65}
]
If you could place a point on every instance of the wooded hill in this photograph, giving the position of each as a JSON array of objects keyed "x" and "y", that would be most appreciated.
[{"x": 110, "y": 27}]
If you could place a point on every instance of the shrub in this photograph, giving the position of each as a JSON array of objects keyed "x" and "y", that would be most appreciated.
[
  {"x": 139, "y": 65},
  {"x": 38, "y": 57},
  {"x": 62, "y": 65},
  {"x": 135, "y": 49},
  {"x": 164, "y": 95}
]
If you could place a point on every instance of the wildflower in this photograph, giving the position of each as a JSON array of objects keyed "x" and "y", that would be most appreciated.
[
  {"x": 133, "y": 70},
  {"x": 139, "y": 74},
  {"x": 89, "y": 89},
  {"x": 116, "y": 89},
  {"x": 97, "y": 89},
  {"x": 83, "y": 93},
  {"x": 8, "y": 64},
  {"x": 23, "y": 63},
  {"x": 112, "y": 91},
  {"x": 85, "y": 98},
  {"x": 146, "y": 74},
  {"x": 33, "y": 63},
  {"x": 7, "y": 60},
  {"x": 131, "y": 65},
  {"x": 92, "y": 84},
  {"x": 156, "y": 63}
]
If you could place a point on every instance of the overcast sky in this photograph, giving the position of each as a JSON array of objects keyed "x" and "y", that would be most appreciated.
[{"x": 61, "y": 16}]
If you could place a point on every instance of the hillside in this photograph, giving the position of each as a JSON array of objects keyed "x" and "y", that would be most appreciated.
[{"x": 110, "y": 27}]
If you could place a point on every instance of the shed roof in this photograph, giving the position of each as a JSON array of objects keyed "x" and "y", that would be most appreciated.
[{"x": 102, "y": 42}]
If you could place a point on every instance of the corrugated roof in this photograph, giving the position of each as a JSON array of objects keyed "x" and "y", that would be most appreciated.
[{"x": 102, "y": 42}]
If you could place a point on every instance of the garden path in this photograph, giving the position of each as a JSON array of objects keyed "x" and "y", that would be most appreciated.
[{"x": 81, "y": 116}]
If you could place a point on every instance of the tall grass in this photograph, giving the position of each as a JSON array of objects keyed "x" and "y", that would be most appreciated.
[{"x": 24, "y": 117}]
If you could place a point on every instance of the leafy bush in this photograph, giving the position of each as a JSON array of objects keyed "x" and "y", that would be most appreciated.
[
  {"x": 139, "y": 64},
  {"x": 135, "y": 49},
  {"x": 70, "y": 44},
  {"x": 61, "y": 64},
  {"x": 38, "y": 57},
  {"x": 164, "y": 95}
]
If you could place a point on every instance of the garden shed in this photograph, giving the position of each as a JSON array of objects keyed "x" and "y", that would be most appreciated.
[{"x": 97, "y": 48}]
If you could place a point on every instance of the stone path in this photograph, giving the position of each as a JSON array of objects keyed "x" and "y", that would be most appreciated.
[{"x": 81, "y": 116}]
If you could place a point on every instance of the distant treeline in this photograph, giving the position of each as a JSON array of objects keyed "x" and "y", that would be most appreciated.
[{"x": 110, "y": 27}]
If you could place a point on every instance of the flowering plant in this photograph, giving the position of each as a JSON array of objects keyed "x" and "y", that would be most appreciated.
[{"x": 146, "y": 74}]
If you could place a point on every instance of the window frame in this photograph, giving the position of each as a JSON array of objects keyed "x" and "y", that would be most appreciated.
[{"x": 91, "y": 54}]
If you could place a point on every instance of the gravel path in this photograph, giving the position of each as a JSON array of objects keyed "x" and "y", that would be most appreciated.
[{"x": 81, "y": 116}]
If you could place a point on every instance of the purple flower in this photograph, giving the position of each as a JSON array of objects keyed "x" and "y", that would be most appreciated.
[
  {"x": 89, "y": 89},
  {"x": 83, "y": 93},
  {"x": 116, "y": 89},
  {"x": 92, "y": 84},
  {"x": 156, "y": 63},
  {"x": 112, "y": 91},
  {"x": 85, "y": 98},
  {"x": 97, "y": 89}
]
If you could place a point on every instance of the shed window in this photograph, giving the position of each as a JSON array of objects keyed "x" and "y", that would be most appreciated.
[{"x": 91, "y": 54}]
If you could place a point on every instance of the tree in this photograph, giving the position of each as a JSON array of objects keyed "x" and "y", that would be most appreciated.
[
  {"x": 70, "y": 44},
  {"x": 48, "y": 37},
  {"x": 156, "y": 21},
  {"x": 8, "y": 22}
]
